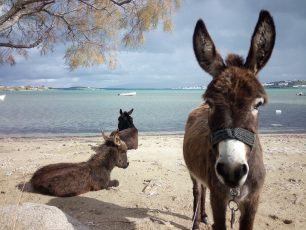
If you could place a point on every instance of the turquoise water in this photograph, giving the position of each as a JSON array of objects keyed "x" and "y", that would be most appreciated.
[{"x": 79, "y": 112}]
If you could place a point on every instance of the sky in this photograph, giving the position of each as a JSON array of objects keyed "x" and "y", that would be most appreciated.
[{"x": 166, "y": 60}]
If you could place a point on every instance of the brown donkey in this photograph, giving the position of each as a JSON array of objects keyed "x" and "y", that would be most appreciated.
[
  {"x": 221, "y": 148},
  {"x": 71, "y": 179}
]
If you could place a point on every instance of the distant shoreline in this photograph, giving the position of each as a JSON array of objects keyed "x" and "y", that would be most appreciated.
[
  {"x": 301, "y": 84},
  {"x": 144, "y": 134}
]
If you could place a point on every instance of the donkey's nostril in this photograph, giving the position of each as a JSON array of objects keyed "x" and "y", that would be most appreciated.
[
  {"x": 127, "y": 165},
  {"x": 240, "y": 171},
  {"x": 244, "y": 169},
  {"x": 220, "y": 169}
]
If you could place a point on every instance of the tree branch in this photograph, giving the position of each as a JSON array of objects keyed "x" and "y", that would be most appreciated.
[
  {"x": 62, "y": 17},
  {"x": 22, "y": 46},
  {"x": 18, "y": 10},
  {"x": 91, "y": 5},
  {"x": 26, "y": 46},
  {"x": 121, "y": 3}
]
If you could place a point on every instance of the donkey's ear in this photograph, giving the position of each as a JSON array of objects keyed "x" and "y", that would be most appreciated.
[
  {"x": 120, "y": 111},
  {"x": 130, "y": 112},
  {"x": 262, "y": 42},
  {"x": 208, "y": 57},
  {"x": 116, "y": 139},
  {"x": 106, "y": 138}
]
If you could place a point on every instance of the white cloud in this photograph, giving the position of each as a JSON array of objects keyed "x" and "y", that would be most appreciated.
[
  {"x": 75, "y": 79},
  {"x": 44, "y": 80}
]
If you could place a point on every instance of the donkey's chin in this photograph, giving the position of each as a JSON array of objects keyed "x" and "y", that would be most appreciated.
[
  {"x": 123, "y": 166},
  {"x": 235, "y": 184}
]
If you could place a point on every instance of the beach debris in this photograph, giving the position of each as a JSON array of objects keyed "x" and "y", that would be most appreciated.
[
  {"x": 273, "y": 217},
  {"x": 286, "y": 221},
  {"x": 160, "y": 221},
  {"x": 91, "y": 223},
  {"x": 298, "y": 199},
  {"x": 8, "y": 173},
  {"x": 156, "y": 164},
  {"x": 180, "y": 163},
  {"x": 295, "y": 181},
  {"x": 151, "y": 187}
]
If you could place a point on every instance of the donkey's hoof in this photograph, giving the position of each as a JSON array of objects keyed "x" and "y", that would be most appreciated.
[
  {"x": 205, "y": 220},
  {"x": 195, "y": 227},
  {"x": 115, "y": 183}
]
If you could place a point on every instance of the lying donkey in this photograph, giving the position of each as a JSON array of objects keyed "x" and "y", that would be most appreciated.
[{"x": 71, "y": 179}]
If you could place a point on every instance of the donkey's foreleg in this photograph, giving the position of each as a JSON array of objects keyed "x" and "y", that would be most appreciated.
[
  {"x": 196, "y": 204},
  {"x": 248, "y": 212},
  {"x": 113, "y": 183},
  {"x": 204, "y": 217},
  {"x": 218, "y": 205}
]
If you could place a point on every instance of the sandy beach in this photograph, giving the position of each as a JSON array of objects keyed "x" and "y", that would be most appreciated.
[{"x": 155, "y": 191}]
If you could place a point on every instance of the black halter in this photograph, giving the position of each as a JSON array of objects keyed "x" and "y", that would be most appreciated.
[{"x": 240, "y": 134}]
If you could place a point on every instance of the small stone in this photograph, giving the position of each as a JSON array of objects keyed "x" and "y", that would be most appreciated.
[{"x": 287, "y": 221}]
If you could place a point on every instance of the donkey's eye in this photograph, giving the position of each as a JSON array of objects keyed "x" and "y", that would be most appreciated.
[{"x": 258, "y": 103}]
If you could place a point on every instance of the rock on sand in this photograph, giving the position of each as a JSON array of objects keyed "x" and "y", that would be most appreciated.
[{"x": 31, "y": 216}]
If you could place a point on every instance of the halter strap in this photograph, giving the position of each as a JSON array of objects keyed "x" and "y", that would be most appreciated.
[{"x": 240, "y": 134}]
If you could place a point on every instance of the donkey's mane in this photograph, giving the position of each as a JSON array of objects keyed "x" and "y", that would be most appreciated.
[{"x": 234, "y": 60}]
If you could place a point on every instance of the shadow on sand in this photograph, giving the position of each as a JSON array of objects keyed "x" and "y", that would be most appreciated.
[{"x": 98, "y": 214}]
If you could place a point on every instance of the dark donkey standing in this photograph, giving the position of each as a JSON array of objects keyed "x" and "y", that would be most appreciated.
[
  {"x": 128, "y": 132},
  {"x": 221, "y": 148}
]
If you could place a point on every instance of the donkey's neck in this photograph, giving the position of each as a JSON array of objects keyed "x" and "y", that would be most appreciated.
[{"x": 106, "y": 158}]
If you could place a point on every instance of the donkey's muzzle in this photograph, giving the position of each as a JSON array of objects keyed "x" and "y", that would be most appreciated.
[
  {"x": 232, "y": 176},
  {"x": 127, "y": 165}
]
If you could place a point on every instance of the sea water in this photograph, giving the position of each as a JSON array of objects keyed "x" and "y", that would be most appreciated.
[{"x": 87, "y": 112}]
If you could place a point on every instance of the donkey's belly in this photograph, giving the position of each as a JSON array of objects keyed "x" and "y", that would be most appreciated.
[{"x": 196, "y": 146}]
